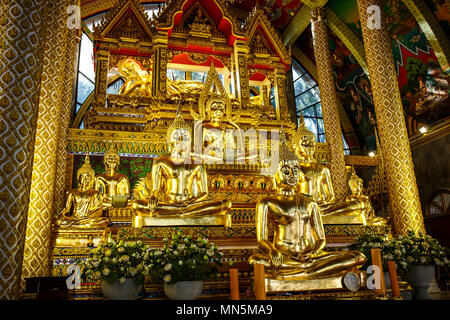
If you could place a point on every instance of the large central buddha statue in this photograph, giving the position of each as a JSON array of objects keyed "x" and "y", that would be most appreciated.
[
  {"x": 317, "y": 184},
  {"x": 84, "y": 205},
  {"x": 296, "y": 251},
  {"x": 183, "y": 184}
]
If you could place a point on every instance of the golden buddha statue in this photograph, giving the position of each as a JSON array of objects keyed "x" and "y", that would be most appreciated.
[
  {"x": 317, "y": 184},
  {"x": 114, "y": 186},
  {"x": 84, "y": 205},
  {"x": 356, "y": 204},
  {"x": 222, "y": 140},
  {"x": 296, "y": 252},
  {"x": 137, "y": 79},
  {"x": 184, "y": 186}
]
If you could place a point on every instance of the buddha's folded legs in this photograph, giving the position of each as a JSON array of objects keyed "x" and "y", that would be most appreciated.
[
  {"x": 197, "y": 209},
  {"x": 324, "y": 266}
]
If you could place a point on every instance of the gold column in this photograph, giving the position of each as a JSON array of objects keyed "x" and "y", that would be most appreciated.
[
  {"x": 53, "y": 108},
  {"x": 159, "y": 70},
  {"x": 240, "y": 55},
  {"x": 68, "y": 100},
  {"x": 332, "y": 124},
  {"x": 280, "y": 95},
  {"x": 21, "y": 24},
  {"x": 101, "y": 76},
  {"x": 401, "y": 179}
]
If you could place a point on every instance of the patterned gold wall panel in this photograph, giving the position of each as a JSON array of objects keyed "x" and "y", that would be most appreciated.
[
  {"x": 64, "y": 122},
  {"x": 329, "y": 104},
  {"x": 401, "y": 179},
  {"x": 20, "y": 71},
  {"x": 38, "y": 235}
]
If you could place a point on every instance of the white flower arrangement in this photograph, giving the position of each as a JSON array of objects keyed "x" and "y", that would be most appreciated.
[
  {"x": 113, "y": 261},
  {"x": 183, "y": 259}
]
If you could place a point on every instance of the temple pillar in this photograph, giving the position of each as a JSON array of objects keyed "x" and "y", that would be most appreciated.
[
  {"x": 332, "y": 124},
  {"x": 54, "y": 110},
  {"x": 101, "y": 77},
  {"x": 21, "y": 25},
  {"x": 280, "y": 94},
  {"x": 159, "y": 68},
  {"x": 401, "y": 180},
  {"x": 241, "y": 50}
]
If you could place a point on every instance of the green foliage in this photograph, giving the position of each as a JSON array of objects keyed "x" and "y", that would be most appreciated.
[
  {"x": 184, "y": 259},
  {"x": 415, "y": 68}
]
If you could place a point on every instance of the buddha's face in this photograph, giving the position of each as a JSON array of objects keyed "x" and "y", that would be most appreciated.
[
  {"x": 217, "y": 109},
  {"x": 288, "y": 174},
  {"x": 307, "y": 145},
  {"x": 85, "y": 180},
  {"x": 356, "y": 186},
  {"x": 111, "y": 161}
]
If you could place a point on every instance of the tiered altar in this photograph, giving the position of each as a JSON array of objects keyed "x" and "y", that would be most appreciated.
[{"x": 245, "y": 65}]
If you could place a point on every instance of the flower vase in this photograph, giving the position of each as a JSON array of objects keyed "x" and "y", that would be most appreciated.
[
  {"x": 419, "y": 278},
  {"x": 120, "y": 291},
  {"x": 183, "y": 290}
]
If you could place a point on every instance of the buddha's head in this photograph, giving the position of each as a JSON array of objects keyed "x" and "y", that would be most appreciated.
[
  {"x": 86, "y": 175},
  {"x": 304, "y": 141},
  {"x": 111, "y": 159},
  {"x": 215, "y": 106},
  {"x": 179, "y": 136},
  {"x": 288, "y": 173},
  {"x": 356, "y": 184}
]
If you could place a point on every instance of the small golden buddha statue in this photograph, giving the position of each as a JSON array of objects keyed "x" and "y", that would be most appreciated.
[
  {"x": 84, "y": 205},
  {"x": 221, "y": 139},
  {"x": 317, "y": 184},
  {"x": 184, "y": 185},
  {"x": 356, "y": 204},
  {"x": 113, "y": 185},
  {"x": 296, "y": 252},
  {"x": 137, "y": 79}
]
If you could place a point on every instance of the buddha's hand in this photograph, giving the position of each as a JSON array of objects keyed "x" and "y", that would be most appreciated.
[
  {"x": 276, "y": 258},
  {"x": 152, "y": 203}
]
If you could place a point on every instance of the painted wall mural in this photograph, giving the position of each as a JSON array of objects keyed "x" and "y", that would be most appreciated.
[{"x": 423, "y": 84}]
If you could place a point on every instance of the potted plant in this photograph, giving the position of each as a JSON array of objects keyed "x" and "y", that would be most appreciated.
[
  {"x": 419, "y": 256},
  {"x": 121, "y": 267},
  {"x": 365, "y": 242},
  {"x": 183, "y": 264}
]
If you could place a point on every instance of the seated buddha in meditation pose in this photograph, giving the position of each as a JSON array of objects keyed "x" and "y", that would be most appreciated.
[
  {"x": 317, "y": 184},
  {"x": 84, "y": 205},
  {"x": 185, "y": 183},
  {"x": 355, "y": 203},
  {"x": 114, "y": 186},
  {"x": 137, "y": 79},
  {"x": 298, "y": 234},
  {"x": 222, "y": 140}
]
